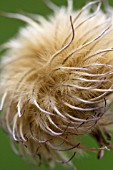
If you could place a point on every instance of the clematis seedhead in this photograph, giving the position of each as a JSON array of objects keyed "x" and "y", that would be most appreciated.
[{"x": 57, "y": 83}]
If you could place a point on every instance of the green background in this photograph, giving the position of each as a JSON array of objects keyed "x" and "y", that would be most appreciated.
[{"x": 8, "y": 28}]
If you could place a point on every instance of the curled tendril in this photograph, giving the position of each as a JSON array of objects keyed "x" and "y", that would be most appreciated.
[{"x": 57, "y": 86}]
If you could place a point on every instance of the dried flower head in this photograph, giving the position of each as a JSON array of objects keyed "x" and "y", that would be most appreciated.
[{"x": 57, "y": 83}]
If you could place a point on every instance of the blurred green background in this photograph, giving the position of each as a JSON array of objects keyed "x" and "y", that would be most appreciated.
[{"x": 8, "y": 28}]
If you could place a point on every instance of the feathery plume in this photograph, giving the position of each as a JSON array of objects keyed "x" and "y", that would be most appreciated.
[{"x": 57, "y": 83}]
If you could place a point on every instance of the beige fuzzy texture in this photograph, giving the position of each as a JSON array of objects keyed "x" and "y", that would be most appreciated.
[{"x": 57, "y": 82}]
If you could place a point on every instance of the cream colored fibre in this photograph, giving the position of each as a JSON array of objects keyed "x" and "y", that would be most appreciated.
[{"x": 57, "y": 83}]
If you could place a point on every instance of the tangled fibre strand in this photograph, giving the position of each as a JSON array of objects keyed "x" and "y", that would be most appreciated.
[{"x": 56, "y": 83}]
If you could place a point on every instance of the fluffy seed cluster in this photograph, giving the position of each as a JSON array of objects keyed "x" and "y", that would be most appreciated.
[{"x": 57, "y": 83}]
